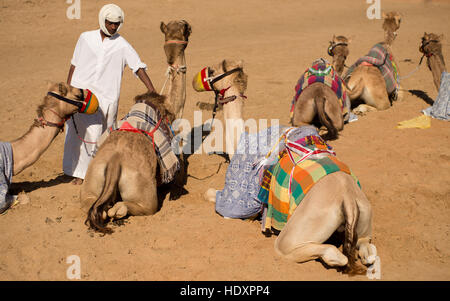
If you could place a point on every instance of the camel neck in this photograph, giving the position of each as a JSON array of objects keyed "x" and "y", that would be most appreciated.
[
  {"x": 436, "y": 64},
  {"x": 177, "y": 85},
  {"x": 28, "y": 148},
  {"x": 389, "y": 38},
  {"x": 339, "y": 63}
]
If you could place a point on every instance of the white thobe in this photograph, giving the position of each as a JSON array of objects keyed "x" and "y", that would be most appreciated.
[{"x": 99, "y": 67}]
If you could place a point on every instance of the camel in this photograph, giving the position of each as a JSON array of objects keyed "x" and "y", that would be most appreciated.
[
  {"x": 61, "y": 102},
  {"x": 325, "y": 98},
  {"x": 365, "y": 80},
  {"x": 176, "y": 36},
  {"x": 338, "y": 49},
  {"x": 335, "y": 203},
  {"x": 123, "y": 177},
  {"x": 431, "y": 48},
  {"x": 229, "y": 82}
]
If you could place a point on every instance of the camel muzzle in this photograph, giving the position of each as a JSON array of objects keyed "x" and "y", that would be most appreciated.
[
  {"x": 203, "y": 81},
  {"x": 88, "y": 106}
]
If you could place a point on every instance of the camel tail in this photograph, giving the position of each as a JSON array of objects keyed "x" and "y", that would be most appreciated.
[
  {"x": 319, "y": 100},
  {"x": 106, "y": 199},
  {"x": 356, "y": 91},
  {"x": 351, "y": 215}
]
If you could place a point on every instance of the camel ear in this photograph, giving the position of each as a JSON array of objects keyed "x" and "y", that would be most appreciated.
[
  {"x": 240, "y": 64},
  {"x": 383, "y": 15},
  {"x": 163, "y": 27},
  {"x": 349, "y": 39},
  {"x": 334, "y": 38}
]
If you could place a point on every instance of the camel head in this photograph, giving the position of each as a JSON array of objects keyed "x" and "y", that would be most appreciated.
[
  {"x": 68, "y": 100},
  {"x": 431, "y": 43},
  {"x": 391, "y": 24},
  {"x": 160, "y": 102},
  {"x": 221, "y": 77},
  {"x": 338, "y": 49},
  {"x": 176, "y": 35}
]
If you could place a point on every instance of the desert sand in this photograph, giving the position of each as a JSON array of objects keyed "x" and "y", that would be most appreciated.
[{"x": 405, "y": 173}]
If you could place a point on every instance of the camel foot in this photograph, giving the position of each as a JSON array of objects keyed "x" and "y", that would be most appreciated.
[
  {"x": 76, "y": 181},
  {"x": 210, "y": 195},
  {"x": 118, "y": 211},
  {"x": 367, "y": 253},
  {"x": 363, "y": 109},
  {"x": 333, "y": 257}
]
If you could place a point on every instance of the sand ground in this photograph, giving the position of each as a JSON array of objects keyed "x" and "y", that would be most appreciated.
[{"x": 404, "y": 173}]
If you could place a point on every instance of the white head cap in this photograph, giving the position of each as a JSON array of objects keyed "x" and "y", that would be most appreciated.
[{"x": 112, "y": 13}]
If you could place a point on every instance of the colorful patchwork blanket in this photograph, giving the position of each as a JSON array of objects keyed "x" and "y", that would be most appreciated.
[
  {"x": 147, "y": 120},
  {"x": 275, "y": 188},
  {"x": 381, "y": 58},
  {"x": 6, "y": 173},
  {"x": 322, "y": 72}
]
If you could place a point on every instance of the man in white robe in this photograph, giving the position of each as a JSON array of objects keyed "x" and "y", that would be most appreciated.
[{"x": 98, "y": 61}]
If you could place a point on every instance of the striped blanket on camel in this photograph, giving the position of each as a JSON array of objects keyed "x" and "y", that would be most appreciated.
[
  {"x": 322, "y": 71},
  {"x": 274, "y": 189},
  {"x": 146, "y": 119},
  {"x": 379, "y": 57}
]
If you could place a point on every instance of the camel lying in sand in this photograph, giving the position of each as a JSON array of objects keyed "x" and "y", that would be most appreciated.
[
  {"x": 321, "y": 92},
  {"x": 431, "y": 47},
  {"x": 229, "y": 83},
  {"x": 367, "y": 82},
  {"x": 334, "y": 203},
  {"x": 126, "y": 164},
  {"x": 61, "y": 102}
]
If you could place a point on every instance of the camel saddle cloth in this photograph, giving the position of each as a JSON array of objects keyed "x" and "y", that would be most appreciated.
[
  {"x": 274, "y": 191},
  {"x": 6, "y": 173},
  {"x": 322, "y": 71},
  {"x": 379, "y": 57},
  {"x": 145, "y": 119}
]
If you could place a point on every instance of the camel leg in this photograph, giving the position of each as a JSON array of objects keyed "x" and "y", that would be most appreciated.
[
  {"x": 313, "y": 222},
  {"x": 210, "y": 195},
  {"x": 367, "y": 251},
  {"x": 138, "y": 193},
  {"x": 93, "y": 184}
]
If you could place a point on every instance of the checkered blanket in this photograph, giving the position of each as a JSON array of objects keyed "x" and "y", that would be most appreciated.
[
  {"x": 144, "y": 119},
  {"x": 280, "y": 203},
  {"x": 381, "y": 58},
  {"x": 6, "y": 173},
  {"x": 322, "y": 72}
]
